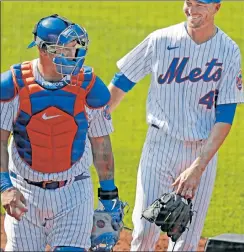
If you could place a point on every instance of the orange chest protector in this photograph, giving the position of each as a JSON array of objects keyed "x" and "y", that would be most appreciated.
[{"x": 51, "y": 126}]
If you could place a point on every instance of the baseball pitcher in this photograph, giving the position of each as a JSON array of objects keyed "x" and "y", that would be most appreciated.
[{"x": 196, "y": 84}]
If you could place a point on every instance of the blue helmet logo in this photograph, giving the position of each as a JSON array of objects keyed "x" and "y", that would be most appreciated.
[{"x": 53, "y": 33}]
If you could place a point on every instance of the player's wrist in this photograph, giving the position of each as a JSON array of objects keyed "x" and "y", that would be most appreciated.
[
  {"x": 108, "y": 200},
  {"x": 108, "y": 194},
  {"x": 107, "y": 185},
  {"x": 5, "y": 182},
  {"x": 199, "y": 164}
]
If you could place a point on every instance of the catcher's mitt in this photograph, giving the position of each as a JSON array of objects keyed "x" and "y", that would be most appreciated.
[
  {"x": 172, "y": 213},
  {"x": 107, "y": 221}
]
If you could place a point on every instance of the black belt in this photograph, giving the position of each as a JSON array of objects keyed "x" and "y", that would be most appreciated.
[
  {"x": 155, "y": 126},
  {"x": 54, "y": 184}
]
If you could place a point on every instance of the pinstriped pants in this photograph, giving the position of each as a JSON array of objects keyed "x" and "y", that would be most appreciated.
[
  {"x": 163, "y": 159},
  {"x": 60, "y": 217}
]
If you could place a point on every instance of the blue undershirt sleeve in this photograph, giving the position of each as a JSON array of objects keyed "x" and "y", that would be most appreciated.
[
  {"x": 225, "y": 113},
  {"x": 122, "y": 82}
]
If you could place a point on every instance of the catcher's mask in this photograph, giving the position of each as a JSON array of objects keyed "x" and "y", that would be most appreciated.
[{"x": 53, "y": 33}]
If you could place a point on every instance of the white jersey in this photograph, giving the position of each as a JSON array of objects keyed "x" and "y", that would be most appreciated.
[
  {"x": 187, "y": 79},
  {"x": 98, "y": 126}
]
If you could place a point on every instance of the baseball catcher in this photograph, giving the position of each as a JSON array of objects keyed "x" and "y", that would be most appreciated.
[
  {"x": 171, "y": 212},
  {"x": 53, "y": 107},
  {"x": 107, "y": 221}
]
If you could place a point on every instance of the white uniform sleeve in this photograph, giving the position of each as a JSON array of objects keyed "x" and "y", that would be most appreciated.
[
  {"x": 98, "y": 124},
  {"x": 9, "y": 112},
  {"x": 231, "y": 86},
  {"x": 138, "y": 62}
]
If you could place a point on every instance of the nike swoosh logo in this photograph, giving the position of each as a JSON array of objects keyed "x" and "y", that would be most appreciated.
[
  {"x": 171, "y": 48},
  {"x": 45, "y": 117}
]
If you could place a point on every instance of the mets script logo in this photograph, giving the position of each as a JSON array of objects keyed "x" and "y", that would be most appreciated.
[
  {"x": 239, "y": 81},
  {"x": 212, "y": 72}
]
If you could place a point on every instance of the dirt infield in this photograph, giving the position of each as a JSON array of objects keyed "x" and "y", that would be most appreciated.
[
  {"x": 125, "y": 239},
  {"x": 123, "y": 244}
]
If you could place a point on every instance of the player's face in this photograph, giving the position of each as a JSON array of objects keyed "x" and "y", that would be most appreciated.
[
  {"x": 199, "y": 14},
  {"x": 67, "y": 50}
]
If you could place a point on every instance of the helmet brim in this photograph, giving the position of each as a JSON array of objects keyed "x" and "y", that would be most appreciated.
[{"x": 32, "y": 44}]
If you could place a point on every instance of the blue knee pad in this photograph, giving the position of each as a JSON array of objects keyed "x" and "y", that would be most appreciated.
[{"x": 68, "y": 249}]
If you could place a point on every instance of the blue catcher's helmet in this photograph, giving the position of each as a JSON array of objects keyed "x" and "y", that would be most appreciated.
[{"x": 52, "y": 33}]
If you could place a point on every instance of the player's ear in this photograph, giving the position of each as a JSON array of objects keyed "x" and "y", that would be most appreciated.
[
  {"x": 217, "y": 7},
  {"x": 184, "y": 8},
  {"x": 42, "y": 52}
]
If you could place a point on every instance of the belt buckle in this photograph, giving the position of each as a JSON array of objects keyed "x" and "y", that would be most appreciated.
[{"x": 44, "y": 184}]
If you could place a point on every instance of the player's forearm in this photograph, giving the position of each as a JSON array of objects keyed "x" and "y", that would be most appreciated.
[
  {"x": 103, "y": 157},
  {"x": 4, "y": 156},
  {"x": 4, "y": 150},
  {"x": 217, "y": 136},
  {"x": 117, "y": 96},
  {"x": 5, "y": 181}
]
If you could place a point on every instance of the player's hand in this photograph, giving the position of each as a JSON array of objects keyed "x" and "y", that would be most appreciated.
[
  {"x": 14, "y": 203},
  {"x": 188, "y": 181}
]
